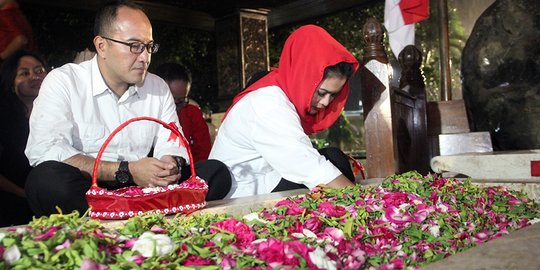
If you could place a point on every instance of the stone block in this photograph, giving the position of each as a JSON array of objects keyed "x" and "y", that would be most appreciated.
[
  {"x": 444, "y": 117},
  {"x": 507, "y": 165},
  {"x": 451, "y": 144}
]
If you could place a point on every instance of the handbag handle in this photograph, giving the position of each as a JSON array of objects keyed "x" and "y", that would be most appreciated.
[{"x": 174, "y": 134}]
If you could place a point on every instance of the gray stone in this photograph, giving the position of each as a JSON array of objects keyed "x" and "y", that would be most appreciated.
[
  {"x": 517, "y": 250},
  {"x": 501, "y": 74}
]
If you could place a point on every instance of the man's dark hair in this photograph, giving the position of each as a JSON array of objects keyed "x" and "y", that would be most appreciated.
[
  {"x": 106, "y": 15},
  {"x": 173, "y": 71},
  {"x": 340, "y": 69}
]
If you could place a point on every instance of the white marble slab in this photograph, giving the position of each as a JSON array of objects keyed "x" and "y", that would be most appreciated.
[
  {"x": 246, "y": 205},
  {"x": 510, "y": 166}
]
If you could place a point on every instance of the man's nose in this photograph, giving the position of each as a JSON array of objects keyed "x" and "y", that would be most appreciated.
[{"x": 145, "y": 56}]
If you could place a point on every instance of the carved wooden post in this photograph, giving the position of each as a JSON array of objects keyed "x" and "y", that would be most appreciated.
[
  {"x": 409, "y": 115},
  {"x": 242, "y": 49},
  {"x": 374, "y": 76}
]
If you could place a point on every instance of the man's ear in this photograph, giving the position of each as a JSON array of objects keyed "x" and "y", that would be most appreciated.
[{"x": 100, "y": 45}]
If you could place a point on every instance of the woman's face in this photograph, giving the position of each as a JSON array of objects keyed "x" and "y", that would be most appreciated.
[
  {"x": 30, "y": 74},
  {"x": 326, "y": 92}
]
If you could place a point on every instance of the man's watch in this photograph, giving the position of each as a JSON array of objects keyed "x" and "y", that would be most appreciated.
[
  {"x": 180, "y": 162},
  {"x": 122, "y": 175}
]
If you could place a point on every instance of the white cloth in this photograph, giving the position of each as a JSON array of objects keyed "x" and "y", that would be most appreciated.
[
  {"x": 75, "y": 112},
  {"x": 262, "y": 141},
  {"x": 399, "y": 33}
]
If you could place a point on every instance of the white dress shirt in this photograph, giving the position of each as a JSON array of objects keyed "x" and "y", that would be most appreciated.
[
  {"x": 75, "y": 112},
  {"x": 261, "y": 140}
]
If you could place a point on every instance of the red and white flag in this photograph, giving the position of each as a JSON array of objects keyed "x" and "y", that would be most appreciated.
[{"x": 399, "y": 19}]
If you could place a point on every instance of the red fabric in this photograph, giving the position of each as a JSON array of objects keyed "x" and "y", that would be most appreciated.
[
  {"x": 196, "y": 131},
  {"x": 123, "y": 203},
  {"x": 180, "y": 199},
  {"x": 414, "y": 10},
  {"x": 306, "y": 53},
  {"x": 535, "y": 167},
  {"x": 13, "y": 23}
]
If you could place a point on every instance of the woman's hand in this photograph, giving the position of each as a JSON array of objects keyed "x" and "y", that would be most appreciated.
[{"x": 340, "y": 181}]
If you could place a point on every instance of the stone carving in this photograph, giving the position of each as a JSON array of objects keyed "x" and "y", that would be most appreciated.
[
  {"x": 254, "y": 45},
  {"x": 501, "y": 74},
  {"x": 242, "y": 49}
]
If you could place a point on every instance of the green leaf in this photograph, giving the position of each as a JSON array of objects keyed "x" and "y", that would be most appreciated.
[
  {"x": 428, "y": 254},
  {"x": 203, "y": 252},
  {"x": 8, "y": 241},
  {"x": 347, "y": 228},
  {"x": 414, "y": 232}
]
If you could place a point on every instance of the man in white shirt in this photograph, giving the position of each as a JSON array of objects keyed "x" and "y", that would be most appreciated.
[{"x": 80, "y": 105}]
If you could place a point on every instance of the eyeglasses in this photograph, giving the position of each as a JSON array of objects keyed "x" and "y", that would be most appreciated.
[{"x": 137, "y": 47}]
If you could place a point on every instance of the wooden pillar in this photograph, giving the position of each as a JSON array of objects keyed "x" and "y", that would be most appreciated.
[
  {"x": 374, "y": 77},
  {"x": 444, "y": 51},
  {"x": 409, "y": 117},
  {"x": 242, "y": 49},
  {"x": 394, "y": 117}
]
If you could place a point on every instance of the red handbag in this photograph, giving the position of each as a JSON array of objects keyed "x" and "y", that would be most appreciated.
[{"x": 127, "y": 202}]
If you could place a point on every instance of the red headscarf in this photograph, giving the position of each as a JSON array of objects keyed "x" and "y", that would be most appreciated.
[{"x": 306, "y": 53}]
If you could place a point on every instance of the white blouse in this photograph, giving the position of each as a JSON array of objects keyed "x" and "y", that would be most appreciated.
[{"x": 261, "y": 140}]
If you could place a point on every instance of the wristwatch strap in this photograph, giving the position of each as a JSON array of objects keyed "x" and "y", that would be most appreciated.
[{"x": 180, "y": 162}]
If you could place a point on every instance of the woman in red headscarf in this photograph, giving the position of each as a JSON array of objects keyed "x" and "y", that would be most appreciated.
[{"x": 264, "y": 136}]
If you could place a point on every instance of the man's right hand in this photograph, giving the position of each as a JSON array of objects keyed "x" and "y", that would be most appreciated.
[{"x": 152, "y": 172}]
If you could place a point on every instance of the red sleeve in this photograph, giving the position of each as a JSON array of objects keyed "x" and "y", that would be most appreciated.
[
  {"x": 200, "y": 142},
  {"x": 13, "y": 23}
]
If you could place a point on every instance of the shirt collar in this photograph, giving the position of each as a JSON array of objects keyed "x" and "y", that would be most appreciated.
[
  {"x": 98, "y": 83},
  {"x": 133, "y": 90}
]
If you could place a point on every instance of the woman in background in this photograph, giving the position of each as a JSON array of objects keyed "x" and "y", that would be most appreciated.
[{"x": 20, "y": 79}]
